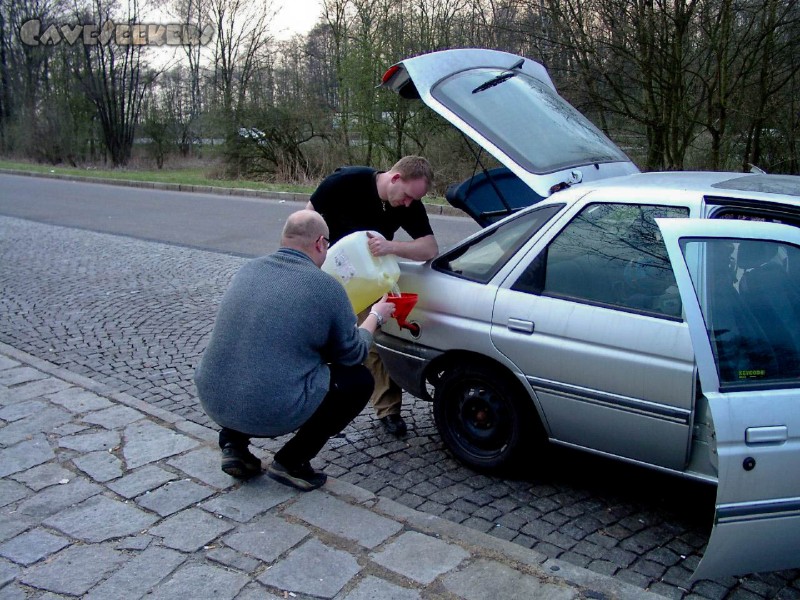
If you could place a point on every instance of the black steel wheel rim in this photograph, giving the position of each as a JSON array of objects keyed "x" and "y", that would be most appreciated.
[{"x": 480, "y": 419}]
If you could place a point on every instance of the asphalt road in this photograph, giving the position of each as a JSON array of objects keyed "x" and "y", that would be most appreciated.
[
  {"x": 134, "y": 310},
  {"x": 231, "y": 224}
]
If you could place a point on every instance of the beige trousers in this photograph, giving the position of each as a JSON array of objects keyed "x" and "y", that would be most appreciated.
[{"x": 387, "y": 397}]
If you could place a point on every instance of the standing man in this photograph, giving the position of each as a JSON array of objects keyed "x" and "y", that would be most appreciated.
[
  {"x": 285, "y": 354},
  {"x": 361, "y": 198}
]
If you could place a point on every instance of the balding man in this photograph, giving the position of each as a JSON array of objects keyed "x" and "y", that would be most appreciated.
[{"x": 285, "y": 354}]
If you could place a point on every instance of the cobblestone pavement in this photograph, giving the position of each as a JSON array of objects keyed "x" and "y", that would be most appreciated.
[
  {"x": 135, "y": 315},
  {"x": 105, "y": 496}
]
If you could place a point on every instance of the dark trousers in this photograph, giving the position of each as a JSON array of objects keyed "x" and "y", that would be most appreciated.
[{"x": 349, "y": 393}]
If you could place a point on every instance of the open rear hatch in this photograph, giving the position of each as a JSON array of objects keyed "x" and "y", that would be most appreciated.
[{"x": 508, "y": 105}]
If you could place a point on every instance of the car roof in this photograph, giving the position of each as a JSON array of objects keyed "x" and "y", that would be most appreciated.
[{"x": 782, "y": 189}]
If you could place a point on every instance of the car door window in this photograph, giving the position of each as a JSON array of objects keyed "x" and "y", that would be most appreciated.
[
  {"x": 611, "y": 255},
  {"x": 480, "y": 258},
  {"x": 751, "y": 309}
]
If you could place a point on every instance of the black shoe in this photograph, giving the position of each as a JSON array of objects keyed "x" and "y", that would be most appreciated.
[
  {"x": 303, "y": 477},
  {"x": 394, "y": 424},
  {"x": 239, "y": 462}
]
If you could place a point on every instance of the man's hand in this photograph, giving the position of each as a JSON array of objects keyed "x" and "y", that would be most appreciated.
[
  {"x": 378, "y": 246},
  {"x": 423, "y": 248},
  {"x": 381, "y": 307}
]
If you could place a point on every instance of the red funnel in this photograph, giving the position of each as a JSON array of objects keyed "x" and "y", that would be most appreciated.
[{"x": 402, "y": 306}]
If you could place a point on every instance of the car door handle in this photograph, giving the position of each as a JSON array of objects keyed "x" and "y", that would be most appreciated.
[
  {"x": 766, "y": 435},
  {"x": 520, "y": 325}
]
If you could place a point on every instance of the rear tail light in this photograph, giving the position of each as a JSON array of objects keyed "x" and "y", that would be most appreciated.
[{"x": 390, "y": 73}]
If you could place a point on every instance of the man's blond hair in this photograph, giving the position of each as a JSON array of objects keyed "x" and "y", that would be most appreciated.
[{"x": 414, "y": 167}]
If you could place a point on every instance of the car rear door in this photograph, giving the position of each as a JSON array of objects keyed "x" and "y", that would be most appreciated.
[
  {"x": 593, "y": 321},
  {"x": 749, "y": 369}
]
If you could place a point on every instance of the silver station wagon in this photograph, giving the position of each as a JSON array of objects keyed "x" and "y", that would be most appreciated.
[{"x": 649, "y": 317}]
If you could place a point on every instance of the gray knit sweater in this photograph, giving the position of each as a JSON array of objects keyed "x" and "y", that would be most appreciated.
[{"x": 264, "y": 372}]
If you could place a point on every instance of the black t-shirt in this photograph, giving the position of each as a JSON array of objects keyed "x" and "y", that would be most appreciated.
[{"x": 348, "y": 201}]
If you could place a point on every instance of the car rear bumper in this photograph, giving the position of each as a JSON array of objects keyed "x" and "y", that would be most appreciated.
[{"x": 406, "y": 361}]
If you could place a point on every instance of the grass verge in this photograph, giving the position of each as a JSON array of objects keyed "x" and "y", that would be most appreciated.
[{"x": 184, "y": 176}]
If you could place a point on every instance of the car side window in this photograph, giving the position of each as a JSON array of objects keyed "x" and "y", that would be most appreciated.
[
  {"x": 610, "y": 255},
  {"x": 479, "y": 259},
  {"x": 750, "y": 300}
]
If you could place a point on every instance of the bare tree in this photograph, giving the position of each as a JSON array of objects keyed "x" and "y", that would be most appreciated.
[
  {"x": 195, "y": 12},
  {"x": 242, "y": 39},
  {"x": 336, "y": 14},
  {"x": 633, "y": 57},
  {"x": 23, "y": 66},
  {"x": 695, "y": 76},
  {"x": 5, "y": 76},
  {"x": 318, "y": 68},
  {"x": 114, "y": 78},
  {"x": 775, "y": 69}
]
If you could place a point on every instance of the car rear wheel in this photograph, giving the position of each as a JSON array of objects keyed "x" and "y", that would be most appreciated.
[{"x": 480, "y": 417}]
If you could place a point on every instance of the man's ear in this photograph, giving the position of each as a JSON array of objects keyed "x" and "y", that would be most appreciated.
[{"x": 395, "y": 177}]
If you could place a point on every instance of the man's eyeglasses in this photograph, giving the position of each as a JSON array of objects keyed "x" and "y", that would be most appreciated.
[{"x": 327, "y": 241}]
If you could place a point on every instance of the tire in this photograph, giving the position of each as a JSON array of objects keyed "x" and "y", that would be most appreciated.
[{"x": 481, "y": 417}]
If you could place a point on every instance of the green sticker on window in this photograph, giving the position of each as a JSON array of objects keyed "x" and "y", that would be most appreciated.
[{"x": 752, "y": 374}]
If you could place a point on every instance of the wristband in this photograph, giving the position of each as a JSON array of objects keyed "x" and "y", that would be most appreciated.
[{"x": 378, "y": 317}]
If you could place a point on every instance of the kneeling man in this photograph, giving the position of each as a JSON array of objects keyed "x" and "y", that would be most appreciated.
[{"x": 285, "y": 355}]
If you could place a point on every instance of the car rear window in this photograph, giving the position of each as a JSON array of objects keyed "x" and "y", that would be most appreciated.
[
  {"x": 482, "y": 257},
  {"x": 526, "y": 119},
  {"x": 744, "y": 211}
]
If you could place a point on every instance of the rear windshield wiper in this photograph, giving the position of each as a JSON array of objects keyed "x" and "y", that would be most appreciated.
[{"x": 497, "y": 80}]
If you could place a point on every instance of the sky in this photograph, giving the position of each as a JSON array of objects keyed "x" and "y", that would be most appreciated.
[{"x": 296, "y": 16}]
